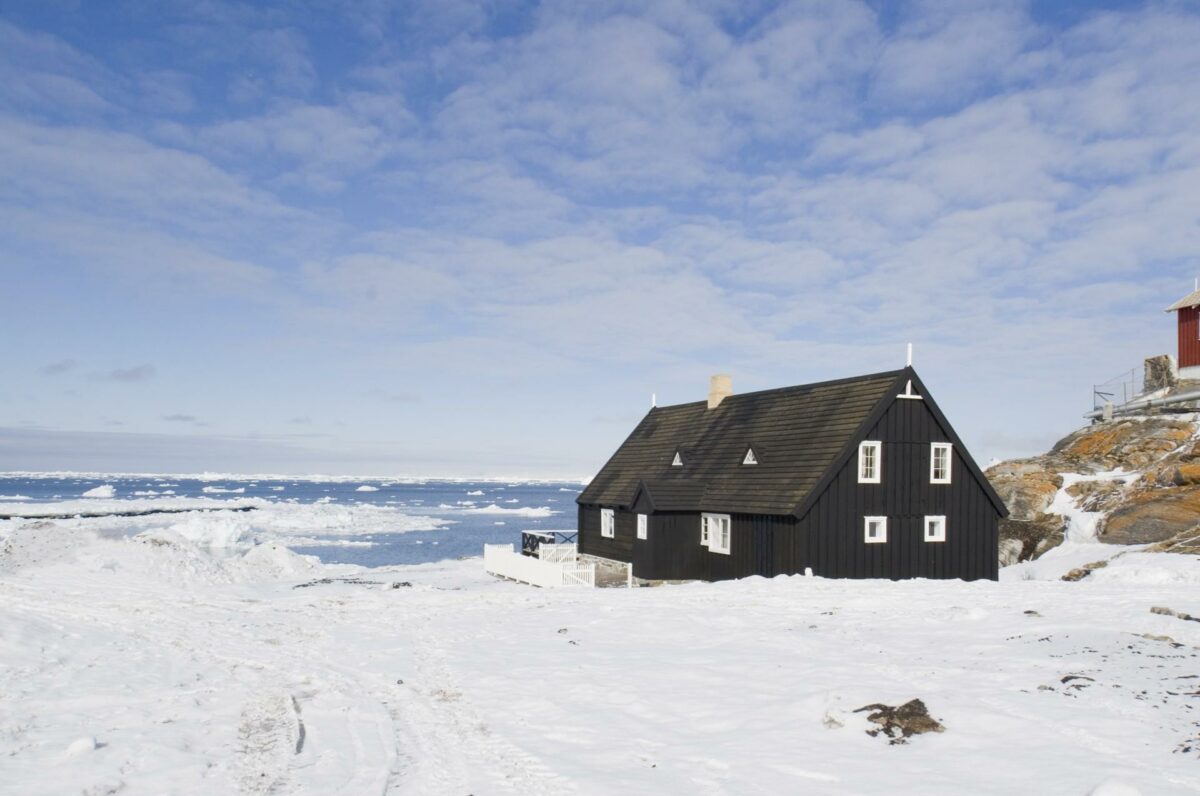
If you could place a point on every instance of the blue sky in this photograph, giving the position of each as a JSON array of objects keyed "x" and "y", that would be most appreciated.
[{"x": 442, "y": 238}]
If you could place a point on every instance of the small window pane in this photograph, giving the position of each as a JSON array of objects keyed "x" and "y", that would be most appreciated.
[
  {"x": 935, "y": 529},
  {"x": 869, "y": 454},
  {"x": 940, "y": 462}
]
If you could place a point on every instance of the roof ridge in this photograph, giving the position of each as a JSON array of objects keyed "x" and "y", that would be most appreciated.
[{"x": 812, "y": 385}]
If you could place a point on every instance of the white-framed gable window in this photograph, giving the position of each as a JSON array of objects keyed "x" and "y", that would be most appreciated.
[
  {"x": 716, "y": 533},
  {"x": 870, "y": 462},
  {"x": 641, "y": 528},
  {"x": 677, "y": 461},
  {"x": 940, "y": 462},
  {"x": 875, "y": 530},
  {"x": 608, "y": 523},
  {"x": 935, "y": 529},
  {"x": 750, "y": 457}
]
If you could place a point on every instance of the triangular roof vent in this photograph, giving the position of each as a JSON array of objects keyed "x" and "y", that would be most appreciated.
[
  {"x": 677, "y": 461},
  {"x": 750, "y": 457}
]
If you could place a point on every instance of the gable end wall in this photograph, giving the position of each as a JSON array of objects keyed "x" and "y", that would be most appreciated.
[{"x": 829, "y": 536}]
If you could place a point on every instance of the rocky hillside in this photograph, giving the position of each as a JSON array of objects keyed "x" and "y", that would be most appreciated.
[{"x": 1132, "y": 481}]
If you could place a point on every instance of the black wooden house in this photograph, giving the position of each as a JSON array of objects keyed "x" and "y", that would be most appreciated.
[{"x": 856, "y": 478}]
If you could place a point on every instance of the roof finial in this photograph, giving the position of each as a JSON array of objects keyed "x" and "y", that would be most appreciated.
[
  {"x": 909, "y": 363},
  {"x": 653, "y": 400}
]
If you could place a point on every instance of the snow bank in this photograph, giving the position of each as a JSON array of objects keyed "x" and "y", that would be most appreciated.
[
  {"x": 219, "y": 526},
  {"x": 215, "y": 529},
  {"x": 106, "y": 491},
  {"x": 273, "y": 561},
  {"x": 1058, "y": 561},
  {"x": 98, "y": 505},
  {"x": 1146, "y": 569},
  {"x": 147, "y": 664}
]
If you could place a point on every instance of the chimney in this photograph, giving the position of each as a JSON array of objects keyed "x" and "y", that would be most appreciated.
[{"x": 720, "y": 387}]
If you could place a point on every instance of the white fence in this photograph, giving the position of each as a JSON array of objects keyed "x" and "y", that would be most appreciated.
[
  {"x": 502, "y": 560},
  {"x": 557, "y": 553}
]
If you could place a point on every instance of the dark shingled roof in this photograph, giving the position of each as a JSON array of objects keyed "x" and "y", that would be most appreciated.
[{"x": 796, "y": 434}]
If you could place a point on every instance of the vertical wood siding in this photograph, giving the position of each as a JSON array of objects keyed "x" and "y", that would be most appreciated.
[
  {"x": 620, "y": 547},
  {"x": 830, "y": 537},
  {"x": 1189, "y": 337}
]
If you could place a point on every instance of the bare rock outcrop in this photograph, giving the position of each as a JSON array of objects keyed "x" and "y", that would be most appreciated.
[
  {"x": 1097, "y": 495},
  {"x": 1027, "y": 487},
  {"x": 1154, "y": 515},
  {"x": 1157, "y": 499},
  {"x": 1130, "y": 444}
]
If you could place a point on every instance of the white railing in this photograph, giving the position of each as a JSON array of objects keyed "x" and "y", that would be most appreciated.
[
  {"x": 502, "y": 560},
  {"x": 558, "y": 553},
  {"x": 579, "y": 575}
]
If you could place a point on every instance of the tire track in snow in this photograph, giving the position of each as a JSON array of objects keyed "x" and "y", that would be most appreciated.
[{"x": 456, "y": 747}]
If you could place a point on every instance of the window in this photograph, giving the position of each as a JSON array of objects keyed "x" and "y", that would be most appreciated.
[
  {"x": 715, "y": 533},
  {"x": 935, "y": 529},
  {"x": 677, "y": 461},
  {"x": 870, "y": 464},
  {"x": 875, "y": 530},
  {"x": 939, "y": 463},
  {"x": 608, "y": 524},
  {"x": 750, "y": 457},
  {"x": 641, "y": 529}
]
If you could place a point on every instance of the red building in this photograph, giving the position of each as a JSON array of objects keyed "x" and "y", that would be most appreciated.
[{"x": 1188, "y": 309}]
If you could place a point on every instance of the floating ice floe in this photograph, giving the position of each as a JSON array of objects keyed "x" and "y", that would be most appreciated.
[
  {"x": 105, "y": 491},
  {"x": 524, "y": 511}
]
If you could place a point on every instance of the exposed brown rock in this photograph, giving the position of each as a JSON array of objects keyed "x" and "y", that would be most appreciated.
[
  {"x": 1023, "y": 540},
  {"x": 1025, "y": 486},
  {"x": 902, "y": 722},
  {"x": 1128, "y": 444},
  {"x": 1153, "y": 516},
  {"x": 1097, "y": 495},
  {"x": 1186, "y": 542},
  {"x": 1080, "y": 573}
]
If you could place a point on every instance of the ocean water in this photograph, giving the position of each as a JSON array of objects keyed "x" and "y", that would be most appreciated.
[{"x": 464, "y": 536}]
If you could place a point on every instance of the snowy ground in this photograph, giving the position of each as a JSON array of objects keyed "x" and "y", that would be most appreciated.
[{"x": 145, "y": 664}]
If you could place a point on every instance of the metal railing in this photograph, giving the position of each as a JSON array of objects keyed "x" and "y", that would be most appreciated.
[
  {"x": 1118, "y": 390},
  {"x": 532, "y": 540}
]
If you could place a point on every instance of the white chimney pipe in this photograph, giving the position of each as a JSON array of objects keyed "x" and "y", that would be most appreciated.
[
  {"x": 909, "y": 362},
  {"x": 720, "y": 387}
]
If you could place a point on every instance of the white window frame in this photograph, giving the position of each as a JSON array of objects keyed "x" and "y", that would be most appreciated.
[
  {"x": 750, "y": 458},
  {"x": 608, "y": 524},
  {"x": 678, "y": 460},
  {"x": 883, "y": 530},
  {"x": 716, "y": 532},
  {"x": 877, "y": 447},
  {"x": 939, "y": 522},
  {"x": 934, "y": 447},
  {"x": 641, "y": 526}
]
